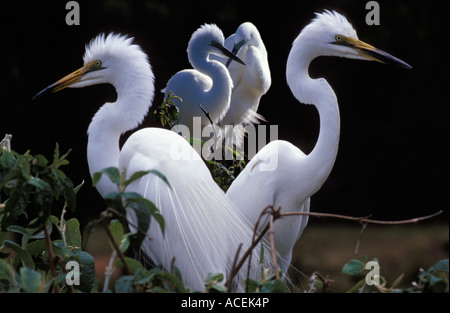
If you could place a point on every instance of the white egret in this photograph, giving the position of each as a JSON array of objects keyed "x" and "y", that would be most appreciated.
[
  {"x": 208, "y": 85},
  {"x": 297, "y": 175},
  {"x": 203, "y": 228},
  {"x": 250, "y": 82}
]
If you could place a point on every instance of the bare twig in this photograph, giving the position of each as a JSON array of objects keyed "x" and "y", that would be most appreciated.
[
  {"x": 363, "y": 219},
  {"x": 172, "y": 266},
  {"x": 51, "y": 256},
  {"x": 248, "y": 252},
  {"x": 276, "y": 214},
  {"x": 208, "y": 116},
  {"x": 233, "y": 269},
  {"x": 364, "y": 225},
  {"x": 5, "y": 144},
  {"x": 109, "y": 271},
  {"x": 128, "y": 221},
  {"x": 272, "y": 247},
  {"x": 62, "y": 226},
  {"x": 116, "y": 247}
]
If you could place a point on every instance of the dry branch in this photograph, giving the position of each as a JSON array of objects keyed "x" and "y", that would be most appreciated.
[{"x": 277, "y": 214}]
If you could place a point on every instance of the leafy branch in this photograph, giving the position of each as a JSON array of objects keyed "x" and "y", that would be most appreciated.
[
  {"x": 167, "y": 112},
  {"x": 32, "y": 187}
]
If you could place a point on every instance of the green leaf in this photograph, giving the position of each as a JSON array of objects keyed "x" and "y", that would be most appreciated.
[
  {"x": 64, "y": 185},
  {"x": 112, "y": 172},
  {"x": 36, "y": 247},
  {"x": 43, "y": 194},
  {"x": 27, "y": 261},
  {"x": 441, "y": 266},
  {"x": 252, "y": 285},
  {"x": 213, "y": 282},
  {"x": 176, "y": 282},
  {"x": 145, "y": 207},
  {"x": 88, "y": 230},
  {"x": 31, "y": 279},
  {"x": 214, "y": 277},
  {"x": 8, "y": 164},
  {"x": 273, "y": 286},
  {"x": 39, "y": 184},
  {"x": 357, "y": 286},
  {"x": 87, "y": 270},
  {"x": 135, "y": 176},
  {"x": 160, "y": 175},
  {"x": 114, "y": 200},
  {"x": 353, "y": 267},
  {"x": 177, "y": 272},
  {"x": 39, "y": 161},
  {"x": 57, "y": 160},
  {"x": 73, "y": 235},
  {"x": 77, "y": 188},
  {"x": 124, "y": 284},
  {"x": 397, "y": 281},
  {"x": 143, "y": 215},
  {"x": 16, "y": 205},
  {"x": 19, "y": 230},
  {"x": 139, "y": 174},
  {"x": 116, "y": 229},
  {"x": 6, "y": 270},
  {"x": 133, "y": 264}
]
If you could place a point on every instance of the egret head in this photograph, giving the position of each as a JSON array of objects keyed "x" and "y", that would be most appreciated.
[
  {"x": 247, "y": 34},
  {"x": 206, "y": 40},
  {"x": 330, "y": 34},
  {"x": 107, "y": 59}
]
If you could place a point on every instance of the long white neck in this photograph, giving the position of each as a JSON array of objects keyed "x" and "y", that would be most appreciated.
[
  {"x": 216, "y": 100},
  {"x": 134, "y": 98},
  {"x": 319, "y": 93}
]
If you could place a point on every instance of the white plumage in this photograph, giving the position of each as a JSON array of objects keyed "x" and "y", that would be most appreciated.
[
  {"x": 203, "y": 228},
  {"x": 295, "y": 177}
]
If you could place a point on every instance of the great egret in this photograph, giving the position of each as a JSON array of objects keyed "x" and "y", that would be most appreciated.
[
  {"x": 203, "y": 228},
  {"x": 250, "y": 82},
  {"x": 205, "y": 89},
  {"x": 298, "y": 176}
]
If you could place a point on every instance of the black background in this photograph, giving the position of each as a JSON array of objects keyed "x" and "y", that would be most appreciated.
[{"x": 394, "y": 150}]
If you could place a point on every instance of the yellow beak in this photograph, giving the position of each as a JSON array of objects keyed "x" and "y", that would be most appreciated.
[
  {"x": 370, "y": 52},
  {"x": 70, "y": 79}
]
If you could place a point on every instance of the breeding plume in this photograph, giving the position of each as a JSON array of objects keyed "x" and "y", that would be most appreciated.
[
  {"x": 202, "y": 227},
  {"x": 298, "y": 176}
]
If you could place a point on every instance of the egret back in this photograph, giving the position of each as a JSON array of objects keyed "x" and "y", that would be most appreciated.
[
  {"x": 267, "y": 180},
  {"x": 203, "y": 228}
]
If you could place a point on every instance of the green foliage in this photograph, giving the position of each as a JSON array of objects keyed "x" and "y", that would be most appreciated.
[
  {"x": 154, "y": 280},
  {"x": 37, "y": 248},
  {"x": 167, "y": 112},
  {"x": 26, "y": 178},
  {"x": 224, "y": 172},
  {"x": 267, "y": 284},
  {"x": 32, "y": 187},
  {"x": 433, "y": 280},
  {"x": 118, "y": 202}
]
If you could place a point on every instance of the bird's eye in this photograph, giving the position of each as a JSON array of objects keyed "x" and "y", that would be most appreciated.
[
  {"x": 98, "y": 63},
  {"x": 338, "y": 38}
]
